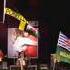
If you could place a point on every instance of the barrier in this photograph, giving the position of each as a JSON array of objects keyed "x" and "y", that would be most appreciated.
[{"x": 30, "y": 67}]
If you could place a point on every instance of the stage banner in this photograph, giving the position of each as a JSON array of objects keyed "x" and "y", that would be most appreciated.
[
  {"x": 63, "y": 41},
  {"x": 63, "y": 55}
]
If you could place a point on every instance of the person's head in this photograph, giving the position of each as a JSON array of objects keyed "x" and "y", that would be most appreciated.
[
  {"x": 26, "y": 34},
  {"x": 19, "y": 32}
]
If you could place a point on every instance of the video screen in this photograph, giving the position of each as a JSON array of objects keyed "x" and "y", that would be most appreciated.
[{"x": 26, "y": 41}]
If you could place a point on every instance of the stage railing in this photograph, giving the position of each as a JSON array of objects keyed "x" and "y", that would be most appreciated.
[{"x": 30, "y": 67}]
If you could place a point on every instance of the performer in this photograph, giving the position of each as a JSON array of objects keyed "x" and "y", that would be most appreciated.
[
  {"x": 20, "y": 45},
  {"x": 21, "y": 61}
]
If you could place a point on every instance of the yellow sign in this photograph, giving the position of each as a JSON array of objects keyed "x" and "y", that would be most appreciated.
[
  {"x": 22, "y": 25},
  {"x": 18, "y": 16}
]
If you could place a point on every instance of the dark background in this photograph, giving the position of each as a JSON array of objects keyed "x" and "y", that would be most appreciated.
[
  {"x": 1, "y": 10},
  {"x": 49, "y": 24}
]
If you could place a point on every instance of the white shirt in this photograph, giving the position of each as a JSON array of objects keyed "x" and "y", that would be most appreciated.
[{"x": 21, "y": 42}]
